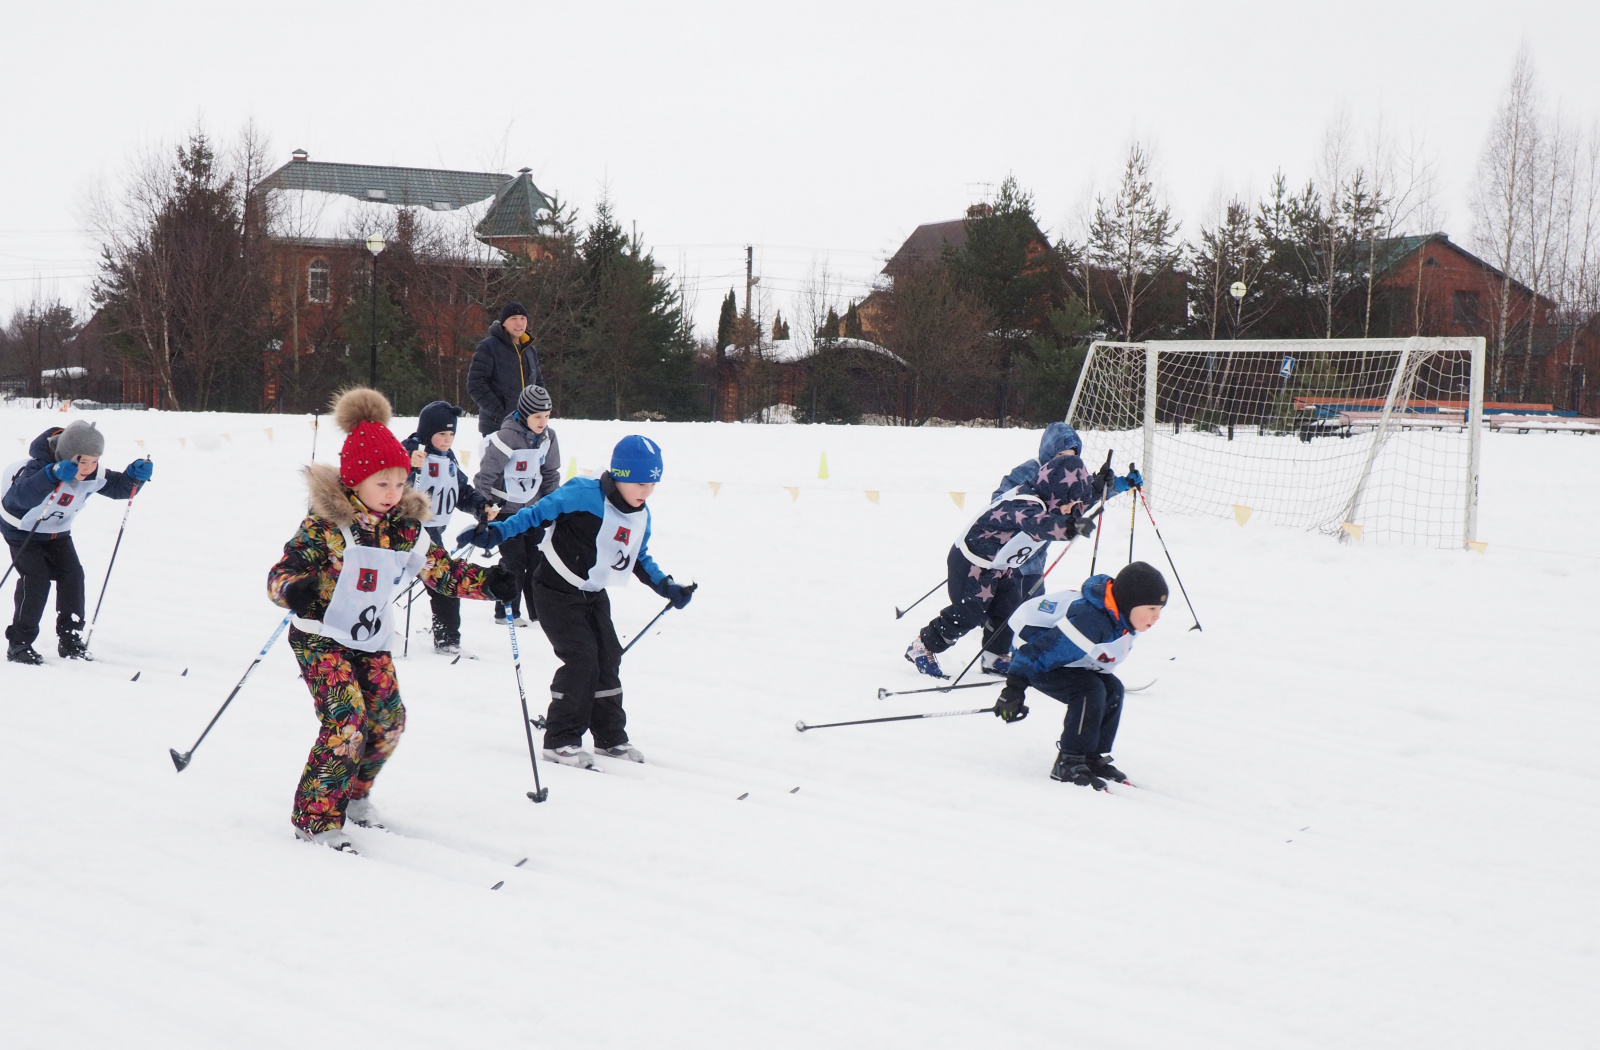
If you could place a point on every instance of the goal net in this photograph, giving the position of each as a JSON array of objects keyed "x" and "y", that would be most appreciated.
[{"x": 1355, "y": 437}]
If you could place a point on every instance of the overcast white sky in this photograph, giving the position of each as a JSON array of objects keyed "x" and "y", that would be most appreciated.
[{"x": 821, "y": 132}]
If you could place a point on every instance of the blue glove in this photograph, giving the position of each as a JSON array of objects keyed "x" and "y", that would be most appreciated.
[
  {"x": 1133, "y": 480},
  {"x": 139, "y": 470},
  {"x": 1120, "y": 485},
  {"x": 65, "y": 470},
  {"x": 674, "y": 592},
  {"x": 488, "y": 536}
]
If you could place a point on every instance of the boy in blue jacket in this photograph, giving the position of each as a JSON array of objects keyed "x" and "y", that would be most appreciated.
[
  {"x": 594, "y": 533},
  {"x": 436, "y": 474},
  {"x": 1070, "y": 645},
  {"x": 41, "y": 497}
]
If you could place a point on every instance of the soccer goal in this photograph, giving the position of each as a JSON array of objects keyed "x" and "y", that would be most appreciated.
[{"x": 1352, "y": 437}]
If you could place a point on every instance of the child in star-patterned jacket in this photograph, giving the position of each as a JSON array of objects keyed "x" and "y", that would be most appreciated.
[
  {"x": 988, "y": 566},
  {"x": 436, "y": 474},
  {"x": 356, "y": 550}
]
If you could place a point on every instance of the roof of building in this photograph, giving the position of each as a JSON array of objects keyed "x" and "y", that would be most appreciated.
[
  {"x": 926, "y": 244},
  {"x": 513, "y": 211}
]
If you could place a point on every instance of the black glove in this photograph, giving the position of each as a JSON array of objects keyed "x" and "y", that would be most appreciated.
[
  {"x": 1105, "y": 478},
  {"x": 1082, "y": 526},
  {"x": 1010, "y": 707},
  {"x": 501, "y": 583},
  {"x": 302, "y": 594},
  {"x": 675, "y": 593}
]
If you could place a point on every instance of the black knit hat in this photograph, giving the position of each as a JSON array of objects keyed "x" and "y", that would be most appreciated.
[
  {"x": 1139, "y": 583},
  {"x": 533, "y": 399},
  {"x": 510, "y": 310},
  {"x": 436, "y": 416}
]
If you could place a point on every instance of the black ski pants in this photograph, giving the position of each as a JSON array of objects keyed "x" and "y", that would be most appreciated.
[
  {"x": 977, "y": 596},
  {"x": 586, "y": 692},
  {"x": 38, "y": 562},
  {"x": 446, "y": 608},
  {"x": 521, "y": 556},
  {"x": 1094, "y": 707}
]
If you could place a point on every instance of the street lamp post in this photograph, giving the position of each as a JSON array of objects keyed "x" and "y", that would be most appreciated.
[{"x": 375, "y": 244}]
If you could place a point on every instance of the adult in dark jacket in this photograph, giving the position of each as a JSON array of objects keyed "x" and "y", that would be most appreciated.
[
  {"x": 42, "y": 496},
  {"x": 504, "y": 362}
]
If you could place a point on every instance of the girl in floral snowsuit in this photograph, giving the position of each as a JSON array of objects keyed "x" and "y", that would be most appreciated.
[{"x": 350, "y": 557}]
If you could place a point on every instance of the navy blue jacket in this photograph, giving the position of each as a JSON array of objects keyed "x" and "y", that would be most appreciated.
[
  {"x": 33, "y": 486},
  {"x": 1056, "y": 439},
  {"x": 497, "y": 375},
  {"x": 1042, "y": 648}
]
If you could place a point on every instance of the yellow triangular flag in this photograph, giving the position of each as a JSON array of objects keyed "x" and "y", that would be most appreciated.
[
  {"x": 871, "y": 495},
  {"x": 184, "y": 442},
  {"x": 1478, "y": 545},
  {"x": 1354, "y": 531},
  {"x": 466, "y": 457},
  {"x": 1241, "y": 514},
  {"x": 228, "y": 439},
  {"x": 716, "y": 487},
  {"x": 136, "y": 441},
  {"x": 960, "y": 498},
  {"x": 822, "y": 472},
  {"x": 572, "y": 468},
  {"x": 269, "y": 432},
  {"x": 794, "y": 491}
]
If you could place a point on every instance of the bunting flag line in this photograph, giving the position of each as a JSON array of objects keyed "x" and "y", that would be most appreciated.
[
  {"x": 794, "y": 491},
  {"x": 1241, "y": 514},
  {"x": 1478, "y": 545},
  {"x": 872, "y": 495},
  {"x": 716, "y": 487},
  {"x": 960, "y": 500},
  {"x": 1353, "y": 530}
]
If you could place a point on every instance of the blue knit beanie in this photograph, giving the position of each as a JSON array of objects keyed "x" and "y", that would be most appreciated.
[
  {"x": 636, "y": 459},
  {"x": 434, "y": 417}
]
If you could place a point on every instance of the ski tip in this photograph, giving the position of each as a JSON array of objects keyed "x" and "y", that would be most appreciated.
[
  {"x": 794, "y": 789},
  {"x": 520, "y": 863},
  {"x": 742, "y": 797},
  {"x": 497, "y": 885},
  {"x": 800, "y": 727},
  {"x": 136, "y": 675}
]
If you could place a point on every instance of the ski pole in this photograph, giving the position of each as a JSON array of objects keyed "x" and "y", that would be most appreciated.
[
  {"x": 406, "y": 594},
  {"x": 801, "y": 726},
  {"x": 899, "y": 612},
  {"x": 405, "y": 650},
  {"x": 1095, "y": 557},
  {"x": 665, "y": 609},
  {"x": 1092, "y": 515},
  {"x": 1133, "y": 518},
  {"x": 884, "y": 694},
  {"x": 110, "y": 565},
  {"x": 1174, "y": 568},
  {"x": 538, "y": 794},
  {"x": 182, "y": 761},
  {"x": 47, "y": 503}
]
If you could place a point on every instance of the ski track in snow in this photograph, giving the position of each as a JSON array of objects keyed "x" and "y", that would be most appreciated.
[{"x": 1366, "y": 813}]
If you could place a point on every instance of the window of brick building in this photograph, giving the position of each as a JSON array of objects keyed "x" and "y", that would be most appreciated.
[
  {"x": 1466, "y": 311},
  {"x": 317, "y": 289}
]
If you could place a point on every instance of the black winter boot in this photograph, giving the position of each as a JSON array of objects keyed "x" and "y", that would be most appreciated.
[
  {"x": 71, "y": 647},
  {"x": 1100, "y": 766},
  {"x": 1074, "y": 769},
  {"x": 23, "y": 653}
]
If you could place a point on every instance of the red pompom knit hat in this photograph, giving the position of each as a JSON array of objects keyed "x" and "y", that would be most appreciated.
[{"x": 363, "y": 414}]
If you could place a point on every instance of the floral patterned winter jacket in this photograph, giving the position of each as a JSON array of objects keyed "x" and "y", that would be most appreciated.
[{"x": 318, "y": 546}]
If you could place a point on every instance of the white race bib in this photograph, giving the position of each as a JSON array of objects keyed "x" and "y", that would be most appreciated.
[
  {"x": 523, "y": 475},
  {"x": 359, "y": 613},
  {"x": 1017, "y": 550},
  {"x": 438, "y": 478},
  {"x": 616, "y": 550},
  {"x": 55, "y": 514},
  {"x": 1051, "y": 611}
]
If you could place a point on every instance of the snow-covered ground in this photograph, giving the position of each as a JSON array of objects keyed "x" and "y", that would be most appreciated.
[{"x": 1367, "y": 814}]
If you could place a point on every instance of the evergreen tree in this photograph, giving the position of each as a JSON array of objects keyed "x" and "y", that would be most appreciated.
[{"x": 726, "y": 320}]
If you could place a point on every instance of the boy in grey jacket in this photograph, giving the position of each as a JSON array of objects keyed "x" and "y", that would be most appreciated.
[{"x": 521, "y": 464}]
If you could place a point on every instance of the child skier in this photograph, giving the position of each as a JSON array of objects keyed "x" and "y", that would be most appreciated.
[
  {"x": 1072, "y": 642},
  {"x": 596, "y": 531},
  {"x": 356, "y": 550},
  {"x": 434, "y": 473},
  {"x": 521, "y": 464},
  {"x": 985, "y": 563},
  {"x": 41, "y": 497}
]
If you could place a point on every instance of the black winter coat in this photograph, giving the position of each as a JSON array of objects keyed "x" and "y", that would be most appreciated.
[{"x": 497, "y": 375}]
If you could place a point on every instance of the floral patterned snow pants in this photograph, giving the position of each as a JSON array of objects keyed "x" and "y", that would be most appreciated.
[{"x": 358, "y": 700}]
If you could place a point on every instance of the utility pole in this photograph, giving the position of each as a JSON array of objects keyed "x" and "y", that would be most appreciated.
[{"x": 749, "y": 275}]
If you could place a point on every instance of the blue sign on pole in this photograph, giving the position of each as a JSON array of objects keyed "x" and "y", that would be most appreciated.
[{"x": 1287, "y": 368}]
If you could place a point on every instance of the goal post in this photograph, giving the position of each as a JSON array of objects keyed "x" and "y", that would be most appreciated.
[{"x": 1351, "y": 437}]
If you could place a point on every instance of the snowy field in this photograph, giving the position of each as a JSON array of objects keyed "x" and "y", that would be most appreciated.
[{"x": 1368, "y": 812}]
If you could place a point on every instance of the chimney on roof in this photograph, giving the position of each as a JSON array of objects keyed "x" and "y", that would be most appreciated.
[
  {"x": 980, "y": 211},
  {"x": 299, "y": 154},
  {"x": 524, "y": 171}
]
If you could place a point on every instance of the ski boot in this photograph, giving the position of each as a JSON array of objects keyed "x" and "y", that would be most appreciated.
[
  {"x": 924, "y": 660},
  {"x": 70, "y": 646},
  {"x": 622, "y": 750},
  {"x": 570, "y": 755},
  {"x": 1074, "y": 769},
  {"x": 333, "y": 838},
  {"x": 1100, "y": 766},
  {"x": 23, "y": 653},
  {"x": 996, "y": 663},
  {"x": 362, "y": 813}
]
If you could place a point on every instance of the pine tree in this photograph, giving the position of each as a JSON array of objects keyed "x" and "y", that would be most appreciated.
[{"x": 726, "y": 320}]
